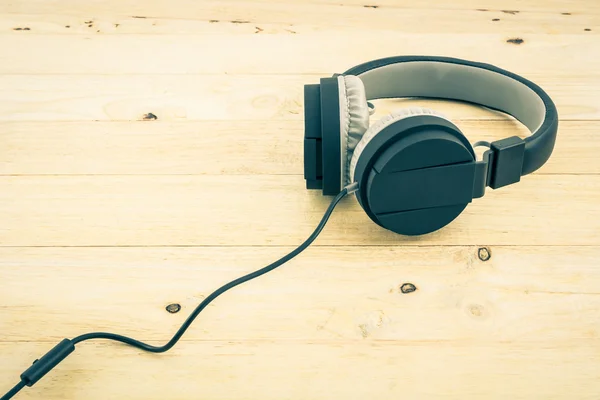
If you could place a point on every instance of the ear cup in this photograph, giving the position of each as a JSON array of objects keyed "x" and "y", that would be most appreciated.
[
  {"x": 354, "y": 119},
  {"x": 416, "y": 172},
  {"x": 382, "y": 124}
]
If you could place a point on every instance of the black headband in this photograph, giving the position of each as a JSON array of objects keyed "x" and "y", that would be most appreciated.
[{"x": 478, "y": 83}]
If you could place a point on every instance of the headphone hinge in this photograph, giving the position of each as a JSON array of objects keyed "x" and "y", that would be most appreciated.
[{"x": 481, "y": 175}]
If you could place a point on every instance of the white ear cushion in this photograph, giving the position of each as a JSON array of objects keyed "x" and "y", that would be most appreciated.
[
  {"x": 354, "y": 118},
  {"x": 382, "y": 124}
]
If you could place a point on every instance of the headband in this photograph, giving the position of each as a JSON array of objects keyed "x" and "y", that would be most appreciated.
[{"x": 478, "y": 83}]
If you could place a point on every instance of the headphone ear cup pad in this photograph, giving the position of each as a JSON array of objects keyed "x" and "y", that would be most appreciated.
[
  {"x": 354, "y": 117},
  {"x": 382, "y": 124}
]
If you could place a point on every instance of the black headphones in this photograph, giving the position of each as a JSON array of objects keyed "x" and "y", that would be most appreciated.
[{"x": 415, "y": 170}]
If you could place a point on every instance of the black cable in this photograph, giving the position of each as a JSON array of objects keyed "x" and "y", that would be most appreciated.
[
  {"x": 14, "y": 390},
  {"x": 66, "y": 347}
]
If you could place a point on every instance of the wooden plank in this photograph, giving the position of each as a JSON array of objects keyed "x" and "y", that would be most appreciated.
[
  {"x": 351, "y": 370},
  {"x": 520, "y": 6},
  {"x": 356, "y": 12},
  {"x": 214, "y": 147},
  {"x": 181, "y": 7},
  {"x": 107, "y": 219},
  {"x": 249, "y": 17},
  {"x": 322, "y": 52},
  {"x": 326, "y": 295},
  {"x": 229, "y": 209},
  {"x": 509, "y": 7},
  {"x": 227, "y": 97}
]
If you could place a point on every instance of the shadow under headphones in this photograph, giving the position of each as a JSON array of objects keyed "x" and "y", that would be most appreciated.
[{"x": 413, "y": 171}]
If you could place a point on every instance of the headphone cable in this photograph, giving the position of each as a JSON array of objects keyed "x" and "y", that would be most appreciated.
[{"x": 41, "y": 367}]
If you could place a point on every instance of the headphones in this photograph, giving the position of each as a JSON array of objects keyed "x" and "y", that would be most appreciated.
[{"x": 415, "y": 170}]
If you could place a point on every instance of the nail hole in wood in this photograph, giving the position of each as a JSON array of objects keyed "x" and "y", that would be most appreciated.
[
  {"x": 407, "y": 288},
  {"x": 173, "y": 308},
  {"x": 484, "y": 253},
  {"x": 149, "y": 117}
]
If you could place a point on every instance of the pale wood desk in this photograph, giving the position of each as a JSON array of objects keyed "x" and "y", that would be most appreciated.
[{"x": 106, "y": 218}]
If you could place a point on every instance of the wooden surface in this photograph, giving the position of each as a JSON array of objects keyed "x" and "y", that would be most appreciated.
[{"x": 107, "y": 218}]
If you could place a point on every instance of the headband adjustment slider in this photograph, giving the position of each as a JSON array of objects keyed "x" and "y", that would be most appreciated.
[{"x": 506, "y": 161}]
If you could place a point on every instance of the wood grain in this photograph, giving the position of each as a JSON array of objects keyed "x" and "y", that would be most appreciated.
[
  {"x": 186, "y": 8},
  {"x": 269, "y": 147},
  {"x": 352, "y": 370},
  {"x": 108, "y": 216},
  {"x": 331, "y": 314},
  {"x": 227, "y": 97},
  {"x": 325, "y": 295},
  {"x": 277, "y": 18},
  {"x": 316, "y": 53},
  {"x": 230, "y": 209}
]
